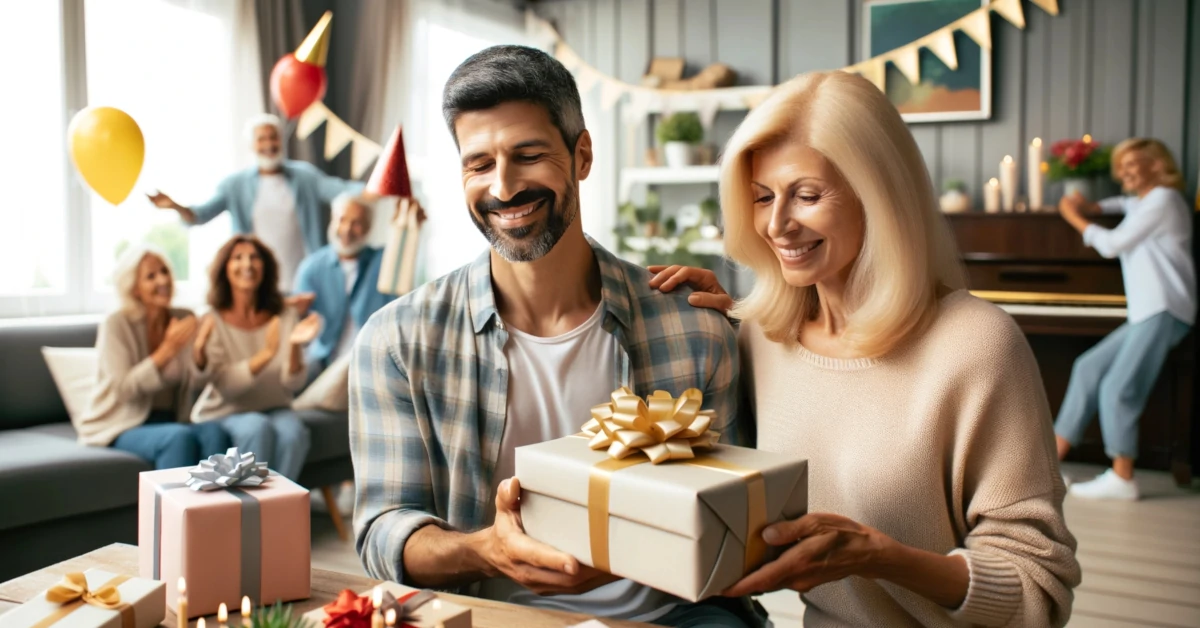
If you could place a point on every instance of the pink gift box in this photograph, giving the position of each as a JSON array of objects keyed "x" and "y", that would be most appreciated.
[{"x": 227, "y": 543}]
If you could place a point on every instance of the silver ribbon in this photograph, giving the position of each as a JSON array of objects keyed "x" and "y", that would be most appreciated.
[
  {"x": 227, "y": 470},
  {"x": 406, "y": 612}
]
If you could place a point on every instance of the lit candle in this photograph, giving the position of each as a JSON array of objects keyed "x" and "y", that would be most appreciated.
[
  {"x": 377, "y": 616},
  {"x": 200, "y": 623},
  {"x": 991, "y": 196},
  {"x": 181, "y": 612},
  {"x": 1087, "y": 138},
  {"x": 222, "y": 616},
  {"x": 1008, "y": 183},
  {"x": 1034, "y": 172},
  {"x": 391, "y": 618},
  {"x": 246, "y": 611}
]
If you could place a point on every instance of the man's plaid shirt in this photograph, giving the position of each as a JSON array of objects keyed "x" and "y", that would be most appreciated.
[{"x": 429, "y": 388}]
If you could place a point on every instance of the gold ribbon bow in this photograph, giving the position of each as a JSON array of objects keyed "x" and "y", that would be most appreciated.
[
  {"x": 663, "y": 427},
  {"x": 73, "y": 592}
]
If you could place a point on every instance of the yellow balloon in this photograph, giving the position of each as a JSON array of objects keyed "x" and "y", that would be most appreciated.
[{"x": 108, "y": 150}]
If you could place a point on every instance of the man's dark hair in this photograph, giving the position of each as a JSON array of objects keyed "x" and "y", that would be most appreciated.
[{"x": 503, "y": 74}]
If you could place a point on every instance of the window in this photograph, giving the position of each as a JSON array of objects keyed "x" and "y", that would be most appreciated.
[{"x": 171, "y": 65}]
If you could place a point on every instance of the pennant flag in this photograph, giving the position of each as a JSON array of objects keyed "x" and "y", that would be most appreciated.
[
  {"x": 311, "y": 119},
  {"x": 941, "y": 43},
  {"x": 977, "y": 26},
  {"x": 909, "y": 63},
  {"x": 707, "y": 110},
  {"x": 337, "y": 135},
  {"x": 1049, "y": 6},
  {"x": 638, "y": 107},
  {"x": 567, "y": 57},
  {"x": 586, "y": 79},
  {"x": 610, "y": 92},
  {"x": 362, "y": 153},
  {"x": 873, "y": 70},
  {"x": 1011, "y": 10}
]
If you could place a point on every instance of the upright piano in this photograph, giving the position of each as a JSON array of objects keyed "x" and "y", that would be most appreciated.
[{"x": 1065, "y": 297}]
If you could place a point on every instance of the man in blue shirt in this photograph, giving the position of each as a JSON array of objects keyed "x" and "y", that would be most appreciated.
[{"x": 281, "y": 201}]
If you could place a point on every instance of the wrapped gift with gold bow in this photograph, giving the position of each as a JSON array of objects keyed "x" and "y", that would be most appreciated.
[
  {"x": 415, "y": 608},
  {"x": 93, "y": 599},
  {"x": 645, "y": 492}
]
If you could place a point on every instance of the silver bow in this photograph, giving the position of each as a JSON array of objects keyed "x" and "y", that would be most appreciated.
[
  {"x": 225, "y": 470},
  {"x": 406, "y": 612}
]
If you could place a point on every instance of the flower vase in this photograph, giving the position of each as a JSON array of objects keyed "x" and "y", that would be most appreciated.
[{"x": 1079, "y": 185}]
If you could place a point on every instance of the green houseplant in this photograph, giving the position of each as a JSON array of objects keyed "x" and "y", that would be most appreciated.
[
  {"x": 677, "y": 134},
  {"x": 954, "y": 197}
]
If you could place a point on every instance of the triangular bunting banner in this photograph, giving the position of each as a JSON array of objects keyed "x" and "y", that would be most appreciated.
[
  {"x": 610, "y": 92},
  {"x": 941, "y": 44},
  {"x": 707, "y": 110},
  {"x": 638, "y": 106},
  {"x": 873, "y": 70},
  {"x": 909, "y": 63},
  {"x": 977, "y": 26},
  {"x": 337, "y": 135},
  {"x": 362, "y": 153},
  {"x": 1011, "y": 10},
  {"x": 1049, "y": 6},
  {"x": 567, "y": 56},
  {"x": 311, "y": 120},
  {"x": 586, "y": 79}
]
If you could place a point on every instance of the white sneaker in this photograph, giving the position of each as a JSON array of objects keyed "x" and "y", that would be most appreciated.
[{"x": 1107, "y": 485}]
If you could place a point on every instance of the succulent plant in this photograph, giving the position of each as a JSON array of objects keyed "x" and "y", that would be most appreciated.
[
  {"x": 279, "y": 616},
  {"x": 681, "y": 127}
]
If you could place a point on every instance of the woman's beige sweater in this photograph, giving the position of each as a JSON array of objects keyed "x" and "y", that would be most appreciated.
[{"x": 944, "y": 444}]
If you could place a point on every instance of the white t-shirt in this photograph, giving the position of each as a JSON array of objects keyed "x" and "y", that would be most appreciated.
[
  {"x": 278, "y": 226},
  {"x": 1154, "y": 243},
  {"x": 552, "y": 386},
  {"x": 346, "y": 341}
]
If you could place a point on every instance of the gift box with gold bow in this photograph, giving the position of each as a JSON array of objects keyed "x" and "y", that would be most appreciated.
[
  {"x": 93, "y": 599},
  {"x": 415, "y": 608},
  {"x": 230, "y": 528},
  {"x": 646, "y": 493}
]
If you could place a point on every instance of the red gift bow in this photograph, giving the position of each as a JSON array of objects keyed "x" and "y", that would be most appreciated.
[{"x": 351, "y": 610}]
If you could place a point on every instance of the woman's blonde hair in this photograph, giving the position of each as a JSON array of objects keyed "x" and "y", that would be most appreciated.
[
  {"x": 1168, "y": 172},
  {"x": 907, "y": 249},
  {"x": 125, "y": 276}
]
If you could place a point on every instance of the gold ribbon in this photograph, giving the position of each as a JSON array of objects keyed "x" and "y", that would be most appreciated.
[
  {"x": 73, "y": 593},
  {"x": 662, "y": 427}
]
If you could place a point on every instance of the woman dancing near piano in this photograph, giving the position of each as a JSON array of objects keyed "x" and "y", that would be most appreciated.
[
  {"x": 935, "y": 497},
  {"x": 1154, "y": 243}
]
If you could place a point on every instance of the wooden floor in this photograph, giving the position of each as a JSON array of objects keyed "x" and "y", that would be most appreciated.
[{"x": 1141, "y": 561}]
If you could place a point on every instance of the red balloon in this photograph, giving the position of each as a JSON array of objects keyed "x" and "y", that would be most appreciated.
[{"x": 295, "y": 85}]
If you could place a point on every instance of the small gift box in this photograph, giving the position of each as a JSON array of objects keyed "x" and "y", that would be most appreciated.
[
  {"x": 93, "y": 599},
  {"x": 645, "y": 493},
  {"x": 414, "y": 608},
  {"x": 230, "y": 528}
]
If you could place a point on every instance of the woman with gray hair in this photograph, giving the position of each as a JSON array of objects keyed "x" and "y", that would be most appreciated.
[{"x": 146, "y": 373}]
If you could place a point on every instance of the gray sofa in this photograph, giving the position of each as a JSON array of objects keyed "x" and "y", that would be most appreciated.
[{"x": 58, "y": 498}]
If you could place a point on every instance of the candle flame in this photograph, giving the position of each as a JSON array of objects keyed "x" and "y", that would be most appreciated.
[
  {"x": 994, "y": 181},
  {"x": 1037, "y": 141},
  {"x": 391, "y": 617},
  {"x": 222, "y": 613},
  {"x": 377, "y": 596},
  {"x": 245, "y": 605},
  {"x": 1045, "y": 167},
  {"x": 1087, "y": 138},
  {"x": 182, "y": 586},
  {"x": 1008, "y": 159},
  {"x": 200, "y": 623}
]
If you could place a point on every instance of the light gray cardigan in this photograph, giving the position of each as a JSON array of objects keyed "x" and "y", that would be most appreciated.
[{"x": 127, "y": 380}]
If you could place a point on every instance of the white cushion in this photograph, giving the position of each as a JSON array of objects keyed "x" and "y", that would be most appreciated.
[
  {"x": 330, "y": 391},
  {"x": 74, "y": 371}
]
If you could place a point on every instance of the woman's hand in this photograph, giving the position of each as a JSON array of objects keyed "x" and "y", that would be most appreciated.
[
  {"x": 199, "y": 355},
  {"x": 301, "y": 302},
  {"x": 1071, "y": 208},
  {"x": 270, "y": 348},
  {"x": 306, "y": 330},
  {"x": 825, "y": 548},
  {"x": 708, "y": 291},
  {"x": 178, "y": 334}
]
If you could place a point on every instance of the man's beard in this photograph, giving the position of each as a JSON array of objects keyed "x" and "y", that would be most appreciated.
[
  {"x": 344, "y": 250},
  {"x": 268, "y": 163},
  {"x": 531, "y": 242}
]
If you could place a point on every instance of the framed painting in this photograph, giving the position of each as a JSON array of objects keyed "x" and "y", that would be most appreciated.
[{"x": 943, "y": 94}]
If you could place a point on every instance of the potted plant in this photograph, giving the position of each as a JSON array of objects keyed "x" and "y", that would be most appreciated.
[
  {"x": 1077, "y": 163},
  {"x": 954, "y": 198},
  {"x": 677, "y": 134}
]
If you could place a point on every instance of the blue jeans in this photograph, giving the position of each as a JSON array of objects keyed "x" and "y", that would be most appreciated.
[
  {"x": 277, "y": 437},
  {"x": 170, "y": 444},
  {"x": 1116, "y": 377}
]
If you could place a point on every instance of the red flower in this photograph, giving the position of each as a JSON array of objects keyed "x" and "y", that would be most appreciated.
[
  {"x": 1059, "y": 147},
  {"x": 349, "y": 611}
]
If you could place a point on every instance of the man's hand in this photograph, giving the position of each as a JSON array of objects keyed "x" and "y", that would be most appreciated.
[
  {"x": 301, "y": 302},
  {"x": 532, "y": 564},
  {"x": 405, "y": 205},
  {"x": 162, "y": 201}
]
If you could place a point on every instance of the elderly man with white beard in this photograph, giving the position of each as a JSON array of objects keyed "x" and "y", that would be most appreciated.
[{"x": 279, "y": 200}]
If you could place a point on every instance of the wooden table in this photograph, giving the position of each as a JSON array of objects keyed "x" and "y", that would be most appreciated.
[{"x": 122, "y": 558}]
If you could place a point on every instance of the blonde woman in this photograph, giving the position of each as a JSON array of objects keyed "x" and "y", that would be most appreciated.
[
  {"x": 1154, "y": 243},
  {"x": 934, "y": 497},
  {"x": 146, "y": 373}
]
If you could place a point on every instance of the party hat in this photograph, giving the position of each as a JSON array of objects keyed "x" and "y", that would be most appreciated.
[
  {"x": 315, "y": 47},
  {"x": 390, "y": 176}
]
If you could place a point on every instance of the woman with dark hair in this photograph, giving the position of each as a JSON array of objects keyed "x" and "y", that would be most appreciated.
[{"x": 254, "y": 346}]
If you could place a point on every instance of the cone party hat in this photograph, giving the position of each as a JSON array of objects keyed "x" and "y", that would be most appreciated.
[
  {"x": 315, "y": 47},
  {"x": 390, "y": 176}
]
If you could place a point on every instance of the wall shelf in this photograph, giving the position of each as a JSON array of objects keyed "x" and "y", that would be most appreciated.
[{"x": 690, "y": 175}]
